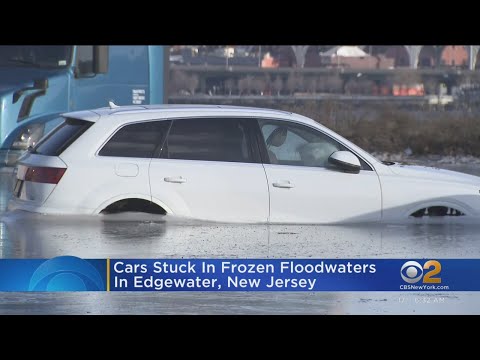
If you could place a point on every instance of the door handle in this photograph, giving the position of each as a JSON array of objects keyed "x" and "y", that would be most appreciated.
[
  {"x": 175, "y": 179},
  {"x": 283, "y": 184}
]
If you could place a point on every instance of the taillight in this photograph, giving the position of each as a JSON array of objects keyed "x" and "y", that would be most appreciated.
[{"x": 47, "y": 175}]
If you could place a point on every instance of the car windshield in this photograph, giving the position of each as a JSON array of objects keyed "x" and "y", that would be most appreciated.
[{"x": 39, "y": 56}]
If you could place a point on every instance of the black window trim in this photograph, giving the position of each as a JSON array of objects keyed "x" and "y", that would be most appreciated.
[
  {"x": 50, "y": 133},
  {"x": 261, "y": 143},
  {"x": 157, "y": 145},
  {"x": 250, "y": 125},
  {"x": 72, "y": 139},
  {"x": 158, "y": 149},
  {"x": 264, "y": 152},
  {"x": 254, "y": 135},
  {"x": 76, "y": 63},
  {"x": 69, "y": 141}
]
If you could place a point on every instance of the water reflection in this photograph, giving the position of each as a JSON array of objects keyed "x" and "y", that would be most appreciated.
[
  {"x": 24, "y": 235},
  {"x": 240, "y": 303},
  {"x": 6, "y": 184},
  {"x": 32, "y": 235}
]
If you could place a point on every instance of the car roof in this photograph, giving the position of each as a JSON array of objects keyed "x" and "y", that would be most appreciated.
[
  {"x": 120, "y": 115},
  {"x": 180, "y": 110}
]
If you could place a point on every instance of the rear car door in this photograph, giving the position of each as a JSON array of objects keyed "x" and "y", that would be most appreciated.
[
  {"x": 122, "y": 164},
  {"x": 209, "y": 169}
]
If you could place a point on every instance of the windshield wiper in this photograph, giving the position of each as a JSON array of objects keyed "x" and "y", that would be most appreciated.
[
  {"x": 23, "y": 62},
  {"x": 389, "y": 163}
]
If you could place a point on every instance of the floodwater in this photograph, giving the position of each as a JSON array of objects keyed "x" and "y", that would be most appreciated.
[{"x": 24, "y": 235}]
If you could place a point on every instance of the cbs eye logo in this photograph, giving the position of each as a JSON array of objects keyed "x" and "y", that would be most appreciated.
[
  {"x": 66, "y": 273},
  {"x": 412, "y": 272}
]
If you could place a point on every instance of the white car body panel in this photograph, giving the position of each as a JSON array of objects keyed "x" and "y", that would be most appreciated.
[
  {"x": 235, "y": 192},
  {"x": 32, "y": 193},
  {"x": 99, "y": 184},
  {"x": 323, "y": 196},
  {"x": 84, "y": 188},
  {"x": 410, "y": 188},
  {"x": 215, "y": 191},
  {"x": 431, "y": 173}
]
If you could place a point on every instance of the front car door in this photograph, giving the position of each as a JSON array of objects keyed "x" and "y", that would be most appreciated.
[
  {"x": 208, "y": 169},
  {"x": 304, "y": 187}
]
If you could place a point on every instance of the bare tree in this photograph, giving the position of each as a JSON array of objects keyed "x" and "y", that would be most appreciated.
[
  {"x": 245, "y": 84},
  {"x": 242, "y": 86},
  {"x": 229, "y": 85},
  {"x": 333, "y": 84},
  {"x": 267, "y": 85},
  {"x": 192, "y": 83},
  {"x": 330, "y": 84},
  {"x": 322, "y": 84},
  {"x": 291, "y": 83},
  {"x": 300, "y": 83},
  {"x": 300, "y": 52},
  {"x": 258, "y": 85},
  {"x": 350, "y": 87},
  {"x": 311, "y": 84},
  {"x": 178, "y": 81},
  {"x": 277, "y": 85},
  {"x": 249, "y": 80}
]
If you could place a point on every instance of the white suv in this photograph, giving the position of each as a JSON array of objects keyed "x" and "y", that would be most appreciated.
[{"x": 225, "y": 163}]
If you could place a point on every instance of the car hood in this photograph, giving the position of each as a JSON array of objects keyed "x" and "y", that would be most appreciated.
[{"x": 435, "y": 174}]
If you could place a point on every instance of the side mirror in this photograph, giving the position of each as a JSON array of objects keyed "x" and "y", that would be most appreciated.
[
  {"x": 100, "y": 59},
  {"x": 40, "y": 84},
  {"x": 346, "y": 161},
  {"x": 91, "y": 60}
]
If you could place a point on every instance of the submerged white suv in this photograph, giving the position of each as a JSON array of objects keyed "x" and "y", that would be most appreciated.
[{"x": 225, "y": 163}]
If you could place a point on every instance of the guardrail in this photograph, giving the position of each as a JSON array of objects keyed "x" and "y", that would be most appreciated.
[{"x": 420, "y": 100}]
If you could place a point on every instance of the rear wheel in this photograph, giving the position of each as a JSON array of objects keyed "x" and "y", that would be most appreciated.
[{"x": 133, "y": 205}]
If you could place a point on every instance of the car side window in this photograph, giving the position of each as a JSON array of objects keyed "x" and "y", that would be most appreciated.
[
  {"x": 298, "y": 145},
  {"x": 209, "y": 139},
  {"x": 85, "y": 59},
  {"x": 136, "y": 140}
]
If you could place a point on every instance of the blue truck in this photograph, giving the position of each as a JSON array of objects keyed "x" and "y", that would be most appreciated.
[{"x": 38, "y": 83}]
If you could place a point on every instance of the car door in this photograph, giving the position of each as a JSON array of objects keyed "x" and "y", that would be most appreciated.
[
  {"x": 208, "y": 169},
  {"x": 304, "y": 187},
  {"x": 121, "y": 168}
]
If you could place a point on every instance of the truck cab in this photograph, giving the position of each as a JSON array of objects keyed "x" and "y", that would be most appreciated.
[{"x": 39, "y": 82}]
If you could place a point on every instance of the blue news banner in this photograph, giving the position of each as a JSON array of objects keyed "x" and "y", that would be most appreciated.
[{"x": 69, "y": 273}]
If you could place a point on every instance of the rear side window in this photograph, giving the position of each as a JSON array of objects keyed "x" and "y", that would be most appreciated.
[
  {"x": 136, "y": 140},
  {"x": 209, "y": 139},
  {"x": 60, "y": 138}
]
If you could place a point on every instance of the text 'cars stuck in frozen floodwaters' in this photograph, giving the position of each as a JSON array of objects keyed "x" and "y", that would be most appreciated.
[{"x": 228, "y": 164}]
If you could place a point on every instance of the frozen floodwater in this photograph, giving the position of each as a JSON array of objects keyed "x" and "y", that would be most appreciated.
[{"x": 24, "y": 235}]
